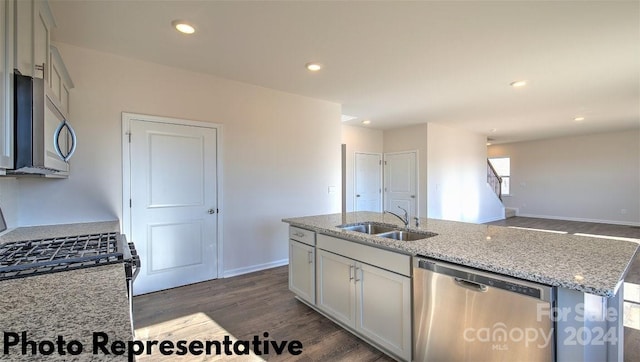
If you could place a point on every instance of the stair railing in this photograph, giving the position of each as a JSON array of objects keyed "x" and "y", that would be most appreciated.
[{"x": 494, "y": 180}]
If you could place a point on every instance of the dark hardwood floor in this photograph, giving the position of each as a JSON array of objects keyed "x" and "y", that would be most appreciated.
[
  {"x": 252, "y": 304},
  {"x": 242, "y": 307}
]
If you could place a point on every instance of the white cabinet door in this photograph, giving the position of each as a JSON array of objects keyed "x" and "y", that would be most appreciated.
[
  {"x": 302, "y": 270},
  {"x": 24, "y": 37},
  {"x": 33, "y": 36},
  {"x": 384, "y": 308},
  {"x": 60, "y": 81},
  {"x": 41, "y": 38},
  {"x": 336, "y": 292}
]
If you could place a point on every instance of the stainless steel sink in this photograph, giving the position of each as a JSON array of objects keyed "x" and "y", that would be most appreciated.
[
  {"x": 369, "y": 228},
  {"x": 387, "y": 231},
  {"x": 406, "y": 235}
]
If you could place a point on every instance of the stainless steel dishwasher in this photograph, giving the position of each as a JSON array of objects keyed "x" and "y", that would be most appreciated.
[{"x": 462, "y": 314}]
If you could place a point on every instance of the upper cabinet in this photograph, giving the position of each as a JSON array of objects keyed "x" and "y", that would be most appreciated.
[
  {"x": 35, "y": 56},
  {"x": 7, "y": 9},
  {"x": 34, "y": 22},
  {"x": 59, "y": 80},
  {"x": 26, "y": 49}
]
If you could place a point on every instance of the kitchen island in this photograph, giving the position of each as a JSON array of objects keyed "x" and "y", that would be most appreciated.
[
  {"x": 63, "y": 311},
  {"x": 587, "y": 272}
]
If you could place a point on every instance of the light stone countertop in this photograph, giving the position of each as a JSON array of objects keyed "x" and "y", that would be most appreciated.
[
  {"x": 54, "y": 231},
  {"x": 590, "y": 265},
  {"x": 73, "y": 304}
]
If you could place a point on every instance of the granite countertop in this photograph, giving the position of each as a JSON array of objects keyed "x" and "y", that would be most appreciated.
[
  {"x": 54, "y": 231},
  {"x": 590, "y": 265},
  {"x": 72, "y": 304}
]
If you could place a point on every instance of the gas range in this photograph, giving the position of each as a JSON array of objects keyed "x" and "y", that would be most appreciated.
[{"x": 21, "y": 259}]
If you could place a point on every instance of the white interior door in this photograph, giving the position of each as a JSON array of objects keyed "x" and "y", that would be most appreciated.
[
  {"x": 368, "y": 182},
  {"x": 173, "y": 203},
  {"x": 400, "y": 180}
]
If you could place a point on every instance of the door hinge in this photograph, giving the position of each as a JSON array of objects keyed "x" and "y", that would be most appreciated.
[
  {"x": 129, "y": 134},
  {"x": 129, "y": 203},
  {"x": 380, "y": 162}
]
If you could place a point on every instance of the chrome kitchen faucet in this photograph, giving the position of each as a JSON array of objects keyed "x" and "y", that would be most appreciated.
[{"x": 405, "y": 219}]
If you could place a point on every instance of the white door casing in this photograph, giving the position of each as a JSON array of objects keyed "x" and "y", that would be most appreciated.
[
  {"x": 368, "y": 182},
  {"x": 170, "y": 200},
  {"x": 400, "y": 181}
]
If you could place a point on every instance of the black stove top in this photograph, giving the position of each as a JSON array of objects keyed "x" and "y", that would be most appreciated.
[{"x": 26, "y": 258}]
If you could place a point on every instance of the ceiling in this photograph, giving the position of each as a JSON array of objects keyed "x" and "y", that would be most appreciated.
[{"x": 399, "y": 63}]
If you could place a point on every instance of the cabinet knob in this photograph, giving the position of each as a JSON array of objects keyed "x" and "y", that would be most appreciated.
[{"x": 211, "y": 211}]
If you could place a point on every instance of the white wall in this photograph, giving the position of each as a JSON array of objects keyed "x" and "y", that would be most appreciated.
[
  {"x": 413, "y": 138},
  {"x": 457, "y": 177},
  {"x": 588, "y": 178},
  {"x": 280, "y": 151},
  {"x": 451, "y": 172},
  {"x": 9, "y": 200},
  {"x": 358, "y": 139}
]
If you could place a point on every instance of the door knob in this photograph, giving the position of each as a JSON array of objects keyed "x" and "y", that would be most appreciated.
[
  {"x": 211, "y": 211},
  {"x": 357, "y": 195}
]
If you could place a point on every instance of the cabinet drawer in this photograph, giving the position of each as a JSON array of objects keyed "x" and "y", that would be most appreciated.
[
  {"x": 302, "y": 235},
  {"x": 395, "y": 262}
]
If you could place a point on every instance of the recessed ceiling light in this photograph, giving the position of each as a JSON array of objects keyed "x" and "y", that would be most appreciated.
[
  {"x": 493, "y": 130},
  {"x": 183, "y": 27},
  {"x": 518, "y": 83},
  {"x": 314, "y": 67},
  {"x": 489, "y": 143},
  {"x": 366, "y": 121},
  {"x": 579, "y": 119}
]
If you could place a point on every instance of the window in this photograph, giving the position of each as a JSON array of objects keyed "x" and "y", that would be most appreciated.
[{"x": 502, "y": 165}]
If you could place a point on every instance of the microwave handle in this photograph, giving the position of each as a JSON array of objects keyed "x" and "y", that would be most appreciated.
[{"x": 56, "y": 143}]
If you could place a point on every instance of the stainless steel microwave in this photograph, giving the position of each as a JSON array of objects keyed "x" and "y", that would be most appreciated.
[{"x": 44, "y": 139}]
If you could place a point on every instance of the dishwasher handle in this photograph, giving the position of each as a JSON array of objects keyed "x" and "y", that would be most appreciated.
[{"x": 476, "y": 287}]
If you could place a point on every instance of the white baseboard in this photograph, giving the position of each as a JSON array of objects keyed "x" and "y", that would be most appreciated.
[
  {"x": 491, "y": 219},
  {"x": 614, "y": 222},
  {"x": 254, "y": 268}
]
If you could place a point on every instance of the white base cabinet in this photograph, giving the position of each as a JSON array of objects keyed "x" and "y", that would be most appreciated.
[
  {"x": 383, "y": 307},
  {"x": 302, "y": 270},
  {"x": 302, "y": 263},
  {"x": 374, "y": 302},
  {"x": 364, "y": 288},
  {"x": 336, "y": 287}
]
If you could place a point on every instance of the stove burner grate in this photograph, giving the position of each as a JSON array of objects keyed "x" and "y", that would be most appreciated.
[{"x": 25, "y": 258}]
